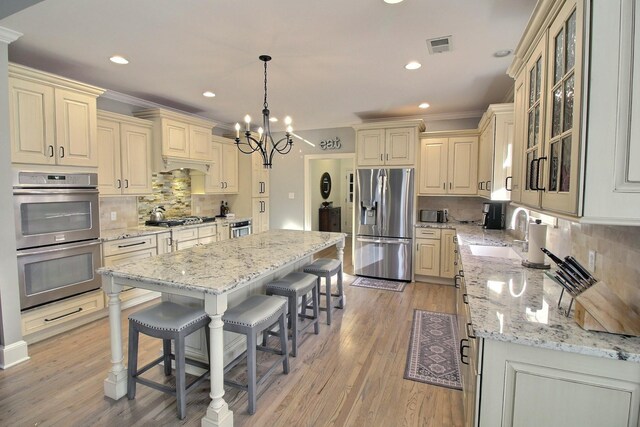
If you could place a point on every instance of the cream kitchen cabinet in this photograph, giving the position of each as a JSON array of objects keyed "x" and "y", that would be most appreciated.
[
  {"x": 388, "y": 143},
  {"x": 259, "y": 177},
  {"x": 448, "y": 163},
  {"x": 427, "y": 253},
  {"x": 165, "y": 242},
  {"x": 223, "y": 231},
  {"x": 448, "y": 253},
  {"x": 515, "y": 184},
  {"x": 495, "y": 152},
  {"x": 551, "y": 145},
  {"x": 180, "y": 140},
  {"x": 124, "y": 147},
  {"x": 121, "y": 251},
  {"x": 222, "y": 177},
  {"x": 260, "y": 215},
  {"x": 52, "y": 119},
  {"x": 189, "y": 237}
]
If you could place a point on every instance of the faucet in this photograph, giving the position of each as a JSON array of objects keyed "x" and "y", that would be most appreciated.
[{"x": 514, "y": 217}]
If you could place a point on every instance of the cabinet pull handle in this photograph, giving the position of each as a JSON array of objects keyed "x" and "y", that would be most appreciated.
[
  {"x": 462, "y": 347},
  {"x": 119, "y": 183},
  {"x": 132, "y": 244},
  {"x": 51, "y": 152},
  {"x": 63, "y": 315},
  {"x": 380, "y": 156},
  {"x": 488, "y": 185},
  {"x": 455, "y": 281},
  {"x": 506, "y": 183},
  {"x": 449, "y": 186},
  {"x": 444, "y": 186},
  {"x": 470, "y": 333},
  {"x": 126, "y": 183},
  {"x": 61, "y": 152},
  {"x": 538, "y": 174},
  {"x": 481, "y": 185},
  {"x": 531, "y": 186},
  {"x": 465, "y": 298},
  {"x": 387, "y": 156}
]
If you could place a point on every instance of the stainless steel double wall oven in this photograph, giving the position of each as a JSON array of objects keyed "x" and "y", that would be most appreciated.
[{"x": 57, "y": 235}]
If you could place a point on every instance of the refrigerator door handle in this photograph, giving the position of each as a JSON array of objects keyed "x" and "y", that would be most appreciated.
[{"x": 383, "y": 240}]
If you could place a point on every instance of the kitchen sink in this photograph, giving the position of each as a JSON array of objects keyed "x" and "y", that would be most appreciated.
[{"x": 494, "y": 251}]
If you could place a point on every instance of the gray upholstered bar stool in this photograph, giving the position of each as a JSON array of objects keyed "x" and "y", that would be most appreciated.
[
  {"x": 167, "y": 321},
  {"x": 294, "y": 286},
  {"x": 328, "y": 267},
  {"x": 252, "y": 317}
]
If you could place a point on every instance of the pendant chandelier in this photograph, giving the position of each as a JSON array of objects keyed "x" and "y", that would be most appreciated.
[{"x": 265, "y": 144}]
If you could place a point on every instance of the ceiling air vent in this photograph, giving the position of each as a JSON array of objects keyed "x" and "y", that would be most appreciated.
[{"x": 439, "y": 44}]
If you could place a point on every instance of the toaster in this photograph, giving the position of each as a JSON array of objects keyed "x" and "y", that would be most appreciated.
[{"x": 427, "y": 215}]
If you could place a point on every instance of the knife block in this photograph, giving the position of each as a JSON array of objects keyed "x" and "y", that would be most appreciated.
[{"x": 600, "y": 309}]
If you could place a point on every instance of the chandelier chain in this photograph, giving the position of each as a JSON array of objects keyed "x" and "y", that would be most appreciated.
[{"x": 266, "y": 105}]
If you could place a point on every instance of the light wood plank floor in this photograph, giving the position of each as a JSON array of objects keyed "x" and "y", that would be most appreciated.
[{"x": 349, "y": 375}]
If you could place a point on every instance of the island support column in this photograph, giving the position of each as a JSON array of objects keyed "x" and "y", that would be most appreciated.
[
  {"x": 115, "y": 385},
  {"x": 218, "y": 413}
]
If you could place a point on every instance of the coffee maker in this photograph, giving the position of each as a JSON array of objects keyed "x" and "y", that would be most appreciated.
[{"x": 493, "y": 215}]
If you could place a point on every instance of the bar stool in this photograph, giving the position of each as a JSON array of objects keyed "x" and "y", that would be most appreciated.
[
  {"x": 327, "y": 267},
  {"x": 253, "y": 316},
  {"x": 294, "y": 286},
  {"x": 167, "y": 321}
]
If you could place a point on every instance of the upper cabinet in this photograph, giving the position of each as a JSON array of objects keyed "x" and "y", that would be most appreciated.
[
  {"x": 222, "y": 177},
  {"x": 548, "y": 70},
  {"x": 448, "y": 163},
  {"x": 52, "y": 119},
  {"x": 495, "y": 152},
  {"x": 124, "y": 147},
  {"x": 180, "y": 140},
  {"x": 259, "y": 177},
  {"x": 387, "y": 143}
]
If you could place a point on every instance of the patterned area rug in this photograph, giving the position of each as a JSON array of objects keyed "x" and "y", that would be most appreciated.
[
  {"x": 434, "y": 357},
  {"x": 387, "y": 285}
]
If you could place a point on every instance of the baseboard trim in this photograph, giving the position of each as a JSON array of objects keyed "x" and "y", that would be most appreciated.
[{"x": 13, "y": 354}]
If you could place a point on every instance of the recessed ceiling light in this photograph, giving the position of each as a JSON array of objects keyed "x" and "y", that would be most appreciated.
[
  {"x": 423, "y": 105},
  {"x": 208, "y": 94},
  {"x": 392, "y": 1},
  {"x": 502, "y": 53},
  {"x": 413, "y": 65},
  {"x": 117, "y": 59},
  {"x": 273, "y": 119}
]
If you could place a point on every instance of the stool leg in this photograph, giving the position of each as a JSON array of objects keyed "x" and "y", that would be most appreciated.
[
  {"x": 293, "y": 319},
  {"x": 132, "y": 369},
  {"x": 341, "y": 302},
  {"x": 180, "y": 377},
  {"x": 316, "y": 310},
  {"x": 251, "y": 371},
  {"x": 166, "y": 352},
  {"x": 283, "y": 344},
  {"x": 327, "y": 283}
]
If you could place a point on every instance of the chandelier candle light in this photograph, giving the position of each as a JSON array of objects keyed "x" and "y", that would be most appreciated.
[{"x": 264, "y": 144}]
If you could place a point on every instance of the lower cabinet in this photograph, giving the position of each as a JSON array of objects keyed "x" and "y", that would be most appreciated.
[
  {"x": 165, "y": 242},
  {"x": 329, "y": 219},
  {"x": 189, "y": 237},
  {"x": 435, "y": 252},
  {"x": 260, "y": 215}
]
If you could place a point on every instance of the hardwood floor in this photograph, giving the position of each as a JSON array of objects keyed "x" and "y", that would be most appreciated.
[{"x": 349, "y": 375}]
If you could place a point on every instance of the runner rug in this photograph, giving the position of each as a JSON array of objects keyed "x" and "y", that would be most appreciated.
[
  {"x": 434, "y": 357},
  {"x": 387, "y": 285}
]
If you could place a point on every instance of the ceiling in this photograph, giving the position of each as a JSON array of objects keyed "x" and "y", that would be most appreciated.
[{"x": 335, "y": 62}]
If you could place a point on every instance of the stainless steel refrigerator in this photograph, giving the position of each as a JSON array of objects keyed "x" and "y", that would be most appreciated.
[{"x": 384, "y": 223}]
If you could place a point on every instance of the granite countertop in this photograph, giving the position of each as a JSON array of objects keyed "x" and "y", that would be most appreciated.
[
  {"x": 512, "y": 303},
  {"x": 142, "y": 230},
  {"x": 222, "y": 266}
]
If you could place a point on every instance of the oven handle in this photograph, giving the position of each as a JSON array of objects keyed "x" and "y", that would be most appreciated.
[
  {"x": 56, "y": 248},
  {"x": 48, "y": 191}
]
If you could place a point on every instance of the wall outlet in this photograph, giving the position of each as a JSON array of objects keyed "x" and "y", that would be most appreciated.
[
  {"x": 291, "y": 195},
  {"x": 114, "y": 216},
  {"x": 592, "y": 261}
]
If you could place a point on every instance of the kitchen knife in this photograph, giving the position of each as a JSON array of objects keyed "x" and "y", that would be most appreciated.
[
  {"x": 576, "y": 277},
  {"x": 577, "y": 287},
  {"x": 565, "y": 285},
  {"x": 583, "y": 271}
]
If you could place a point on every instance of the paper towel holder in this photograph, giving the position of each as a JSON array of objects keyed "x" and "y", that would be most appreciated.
[{"x": 529, "y": 264}]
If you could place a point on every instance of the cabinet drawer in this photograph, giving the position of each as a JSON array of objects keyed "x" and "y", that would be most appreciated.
[
  {"x": 130, "y": 256},
  {"x": 427, "y": 233},
  {"x": 207, "y": 231},
  {"x": 206, "y": 240},
  {"x": 62, "y": 311},
  {"x": 185, "y": 234},
  {"x": 123, "y": 246}
]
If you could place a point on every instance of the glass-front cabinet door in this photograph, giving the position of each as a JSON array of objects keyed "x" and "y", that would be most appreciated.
[
  {"x": 562, "y": 134},
  {"x": 535, "y": 74}
]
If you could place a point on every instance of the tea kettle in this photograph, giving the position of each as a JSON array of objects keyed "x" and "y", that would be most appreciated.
[{"x": 157, "y": 214}]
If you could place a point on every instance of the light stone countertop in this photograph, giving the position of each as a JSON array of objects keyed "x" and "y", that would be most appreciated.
[
  {"x": 512, "y": 303},
  {"x": 142, "y": 230},
  {"x": 220, "y": 267}
]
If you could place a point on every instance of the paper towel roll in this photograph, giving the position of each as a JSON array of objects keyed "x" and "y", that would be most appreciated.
[{"x": 537, "y": 240}]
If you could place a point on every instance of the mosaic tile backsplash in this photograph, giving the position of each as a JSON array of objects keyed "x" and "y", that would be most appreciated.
[{"x": 172, "y": 190}]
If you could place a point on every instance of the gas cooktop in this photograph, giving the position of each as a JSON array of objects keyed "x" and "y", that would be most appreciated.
[{"x": 187, "y": 220}]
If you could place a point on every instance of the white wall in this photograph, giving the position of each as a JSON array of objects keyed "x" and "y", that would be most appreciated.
[{"x": 287, "y": 175}]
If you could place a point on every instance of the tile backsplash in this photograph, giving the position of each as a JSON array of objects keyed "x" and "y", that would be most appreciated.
[
  {"x": 172, "y": 190},
  {"x": 460, "y": 208}
]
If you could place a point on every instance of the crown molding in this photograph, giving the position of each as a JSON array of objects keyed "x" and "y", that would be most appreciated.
[{"x": 9, "y": 36}]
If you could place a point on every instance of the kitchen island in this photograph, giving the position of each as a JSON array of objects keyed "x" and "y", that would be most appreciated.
[{"x": 219, "y": 274}]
